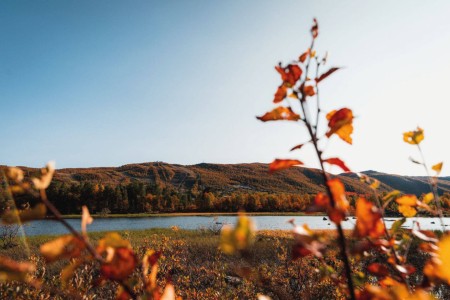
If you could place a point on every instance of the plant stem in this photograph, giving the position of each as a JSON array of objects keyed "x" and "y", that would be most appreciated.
[
  {"x": 312, "y": 133},
  {"x": 59, "y": 217},
  {"x": 81, "y": 237},
  {"x": 433, "y": 186}
]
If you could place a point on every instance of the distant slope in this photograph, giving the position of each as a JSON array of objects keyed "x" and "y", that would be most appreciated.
[{"x": 226, "y": 178}]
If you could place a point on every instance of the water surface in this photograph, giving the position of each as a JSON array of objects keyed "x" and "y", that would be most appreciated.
[{"x": 48, "y": 227}]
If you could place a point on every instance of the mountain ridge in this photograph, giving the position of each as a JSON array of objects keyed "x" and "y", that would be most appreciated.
[{"x": 248, "y": 177}]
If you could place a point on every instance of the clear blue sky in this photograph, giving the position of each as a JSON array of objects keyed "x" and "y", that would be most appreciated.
[{"x": 106, "y": 83}]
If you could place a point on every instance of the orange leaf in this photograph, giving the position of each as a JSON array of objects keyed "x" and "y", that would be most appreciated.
[
  {"x": 280, "y": 164},
  {"x": 341, "y": 205},
  {"x": 280, "y": 94},
  {"x": 315, "y": 28},
  {"x": 303, "y": 57},
  {"x": 340, "y": 123},
  {"x": 338, "y": 162},
  {"x": 309, "y": 91},
  {"x": 280, "y": 113},
  {"x": 368, "y": 220},
  {"x": 326, "y": 74},
  {"x": 322, "y": 200},
  {"x": 290, "y": 74}
]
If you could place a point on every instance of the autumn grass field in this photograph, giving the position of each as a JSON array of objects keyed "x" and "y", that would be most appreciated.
[{"x": 199, "y": 269}]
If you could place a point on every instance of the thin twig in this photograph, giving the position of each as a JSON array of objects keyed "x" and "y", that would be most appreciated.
[
  {"x": 82, "y": 238},
  {"x": 60, "y": 218}
]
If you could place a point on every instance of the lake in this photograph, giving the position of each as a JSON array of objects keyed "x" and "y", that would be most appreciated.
[{"x": 49, "y": 227}]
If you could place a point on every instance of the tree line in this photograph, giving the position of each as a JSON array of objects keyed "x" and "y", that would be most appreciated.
[{"x": 139, "y": 197}]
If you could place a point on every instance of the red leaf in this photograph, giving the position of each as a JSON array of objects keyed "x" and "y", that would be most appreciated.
[
  {"x": 280, "y": 164},
  {"x": 280, "y": 113},
  {"x": 280, "y": 94},
  {"x": 121, "y": 265},
  {"x": 290, "y": 74},
  {"x": 378, "y": 269},
  {"x": 315, "y": 28},
  {"x": 309, "y": 90},
  {"x": 297, "y": 147},
  {"x": 326, "y": 74},
  {"x": 338, "y": 162}
]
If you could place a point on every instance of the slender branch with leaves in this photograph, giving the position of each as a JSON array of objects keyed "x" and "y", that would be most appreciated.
[
  {"x": 371, "y": 232},
  {"x": 115, "y": 255}
]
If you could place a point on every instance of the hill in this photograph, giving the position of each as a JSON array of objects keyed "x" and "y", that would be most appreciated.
[{"x": 249, "y": 177}]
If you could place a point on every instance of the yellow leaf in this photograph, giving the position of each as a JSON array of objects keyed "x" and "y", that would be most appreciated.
[
  {"x": 238, "y": 238},
  {"x": 437, "y": 168},
  {"x": 428, "y": 198},
  {"x": 407, "y": 211},
  {"x": 413, "y": 137},
  {"x": 408, "y": 200}
]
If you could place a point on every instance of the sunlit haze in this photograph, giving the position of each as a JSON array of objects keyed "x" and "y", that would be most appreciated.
[{"x": 107, "y": 83}]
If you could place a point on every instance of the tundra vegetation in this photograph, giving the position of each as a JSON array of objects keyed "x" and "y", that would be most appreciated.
[{"x": 369, "y": 262}]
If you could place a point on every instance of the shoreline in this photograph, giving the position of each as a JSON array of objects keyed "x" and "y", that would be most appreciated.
[
  {"x": 193, "y": 214},
  {"x": 213, "y": 214}
]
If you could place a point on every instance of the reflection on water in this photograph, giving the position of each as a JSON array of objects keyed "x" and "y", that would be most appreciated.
[{"x": 47, "y": 227}]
